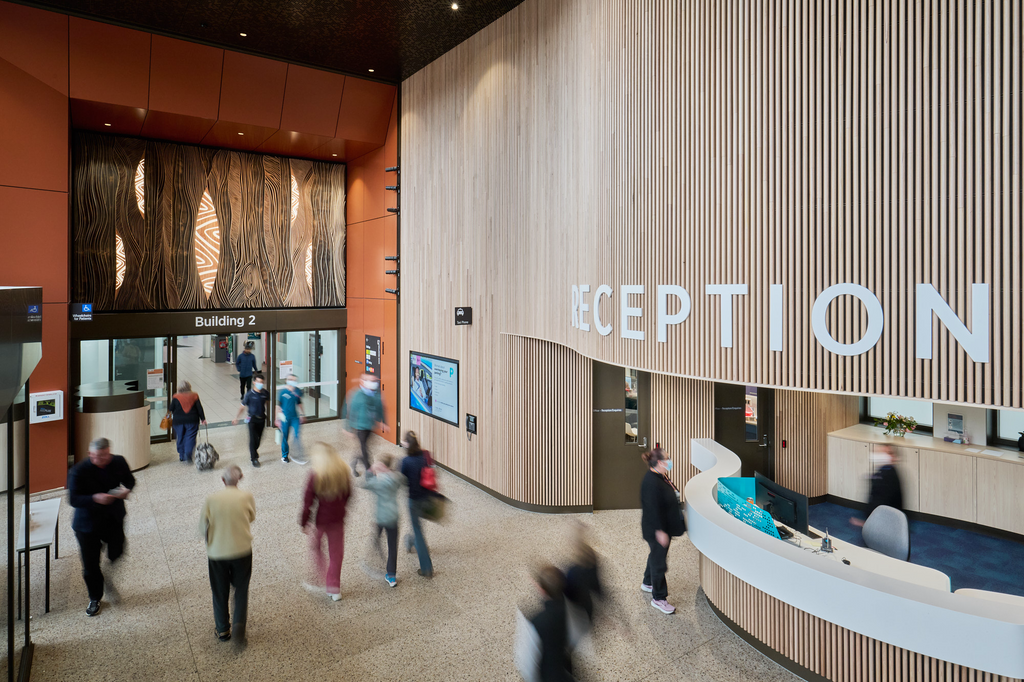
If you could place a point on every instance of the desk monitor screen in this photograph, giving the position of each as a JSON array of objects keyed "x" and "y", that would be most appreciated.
[{"x": 785, "y": 506}]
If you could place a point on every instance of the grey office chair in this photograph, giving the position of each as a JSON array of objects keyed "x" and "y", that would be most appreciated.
[{"x": 887, "y": 531}]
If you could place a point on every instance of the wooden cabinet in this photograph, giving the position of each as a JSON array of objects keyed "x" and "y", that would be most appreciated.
[
  {"x": 1001, "y": 495},
  {"x": 909, "y": 468},
  {"x": 949, "y": 485},
  {"x": 849, "y": 463}
]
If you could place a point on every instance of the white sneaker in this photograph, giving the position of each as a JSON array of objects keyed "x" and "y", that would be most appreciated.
[
  {"x": 663, "y": 606},
  {"x": 646, "y": 588},
  {"x": 335, "y": 597}
]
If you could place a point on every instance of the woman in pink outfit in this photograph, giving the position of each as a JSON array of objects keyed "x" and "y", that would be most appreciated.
[{"x": 329, "y": 485}]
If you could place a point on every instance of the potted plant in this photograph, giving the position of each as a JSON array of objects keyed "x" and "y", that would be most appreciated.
[{"x": 896, "y": 424}]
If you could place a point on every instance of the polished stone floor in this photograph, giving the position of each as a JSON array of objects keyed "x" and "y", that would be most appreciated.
[{"x": 458, "y": 626}]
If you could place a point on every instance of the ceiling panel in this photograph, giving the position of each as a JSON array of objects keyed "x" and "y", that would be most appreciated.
[{"x": 395, "y": 38}]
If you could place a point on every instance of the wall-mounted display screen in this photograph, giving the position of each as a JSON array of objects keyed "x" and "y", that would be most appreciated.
[{"x": 434, "y": 386}]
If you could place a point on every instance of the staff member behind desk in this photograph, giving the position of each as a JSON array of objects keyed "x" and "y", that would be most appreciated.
[
  {"x": 246, "y": 364},
  {"x": 661, "y": 520},
  {"x": 254, "y": 405},
  {"x": 885, "y": 483},
  {"x": 97, "y": 488}
]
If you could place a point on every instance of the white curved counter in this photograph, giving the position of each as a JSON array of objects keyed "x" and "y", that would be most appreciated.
[{"x": 892, "y": 606}]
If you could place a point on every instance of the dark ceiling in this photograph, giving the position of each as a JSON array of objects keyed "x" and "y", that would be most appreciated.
[{"x": 395, "y": 38}]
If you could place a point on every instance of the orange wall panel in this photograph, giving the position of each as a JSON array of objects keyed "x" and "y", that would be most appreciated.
[
  {"x": 35, "y": 239},
  {"x": 373, "y": 258},
  {"x": 49, "y": 441},
  {"x": 252, "y": 91},
  {"x": 34, "y": 132},
  {"x": 175, "y": 127},
  {"x": 365, "y": 111},
  {"x": 109, "y": 64},
  {"x": 36, "y": 42},
  {"x": 312, "y": 101},
  {"x": 185, "y": 78},
  {"x": 355, "y": 263}
]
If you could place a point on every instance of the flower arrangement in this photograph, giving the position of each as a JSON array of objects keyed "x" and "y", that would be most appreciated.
[{"x": 896, "y": 424}]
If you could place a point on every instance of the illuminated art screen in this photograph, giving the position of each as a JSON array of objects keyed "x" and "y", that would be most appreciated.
[{"x": 434, "y": 386}]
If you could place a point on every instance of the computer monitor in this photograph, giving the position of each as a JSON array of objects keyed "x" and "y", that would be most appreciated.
[{"x": 785, "y": 506}]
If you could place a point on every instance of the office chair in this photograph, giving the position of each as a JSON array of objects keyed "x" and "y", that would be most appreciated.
[{"x": 887, "y": 531}]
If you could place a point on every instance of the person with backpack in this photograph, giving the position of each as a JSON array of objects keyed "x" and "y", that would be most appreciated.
[
  {"x": 417, "y": 467},
  {"x": 186, "y": 413},
  {"x": 660, "y": 521},
  {"x": 384, "y": 483},
  {"x": 362, "y": 411}
]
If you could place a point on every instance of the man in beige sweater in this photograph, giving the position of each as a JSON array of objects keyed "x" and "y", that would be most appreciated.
[{"x": 225, "y": 523}]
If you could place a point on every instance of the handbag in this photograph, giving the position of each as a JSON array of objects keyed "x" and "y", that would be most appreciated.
[
  {"x": 165, "y": 423},
  {"x": 428, "y": 474}
]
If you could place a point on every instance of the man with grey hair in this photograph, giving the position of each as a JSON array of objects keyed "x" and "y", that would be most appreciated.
[
  {"x": 97, "y": 488},
  {"x": 225, "y": 523}
]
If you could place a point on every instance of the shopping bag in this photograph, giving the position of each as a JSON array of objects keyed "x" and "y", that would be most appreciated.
[
  {"x": 165, "y": 423},
  {"x": 526, "y": 651},
  {"x": 277, "y": 436}
]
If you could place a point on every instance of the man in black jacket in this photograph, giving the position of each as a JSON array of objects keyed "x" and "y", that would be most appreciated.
[{"x": 98, "y": 487}]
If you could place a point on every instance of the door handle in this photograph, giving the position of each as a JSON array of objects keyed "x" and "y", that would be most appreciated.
[
  {"x": 644, "y": 444},
  {"x": 764, "y": 442}
]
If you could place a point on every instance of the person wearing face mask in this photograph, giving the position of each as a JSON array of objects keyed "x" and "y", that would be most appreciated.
[
  {"x": 662, "y": 519},
  {"x": 363, "y": 410},
  {"x": 290, "y": 415},
  {"x": 254, "y": 406}
]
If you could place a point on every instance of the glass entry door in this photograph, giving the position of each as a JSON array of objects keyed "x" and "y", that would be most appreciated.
[{"x": 312, "y": 357}]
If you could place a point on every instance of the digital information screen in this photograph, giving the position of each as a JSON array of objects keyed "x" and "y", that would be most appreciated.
[{"x": 434, "y": 386}]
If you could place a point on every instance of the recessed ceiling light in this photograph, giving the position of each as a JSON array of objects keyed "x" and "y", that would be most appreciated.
[
  {"x": 107, "y": 124},
  {"x": 333, "y": 154},
  {"x": 241, "y": 133},
  {"x": 371, "y": 70},
  {"x": 243, "y": 34},
  {"x": 455, "y": 5}
]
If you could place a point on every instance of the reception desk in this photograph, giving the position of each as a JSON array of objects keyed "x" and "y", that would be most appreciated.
[
  {"x": 822, "y": 617},
  {"x": 115, "y": 410},
  {"x": 973, "y": 483}
]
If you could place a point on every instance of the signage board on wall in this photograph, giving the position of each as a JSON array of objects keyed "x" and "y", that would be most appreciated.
[
  {"x": 928, "y": 304},
  {"x": 463, "y": 315},
  {"x": 284, "y": 369},
  {"x": 371, "y": 363},
  {"x": 434, "y": 387},
  {"x": 81, "y": 312},
  {"x": 154, "y": 379},
  {"x": 45, "y": 407}
]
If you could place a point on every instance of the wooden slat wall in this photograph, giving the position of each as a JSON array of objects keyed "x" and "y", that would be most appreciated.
[
  {"x": 681, "y": 409},
  {"x": 804, "y": 419},
  {"x": 824, "y": 648},
  {"x": 652, "y": 142}
]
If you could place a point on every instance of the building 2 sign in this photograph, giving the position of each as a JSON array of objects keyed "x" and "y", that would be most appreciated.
[{"x": 975, "y": 341}]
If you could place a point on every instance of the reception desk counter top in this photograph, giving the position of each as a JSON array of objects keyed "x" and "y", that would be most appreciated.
[
  {"x": 791, "y": 599},
  {"x": 864, "y": 433}
]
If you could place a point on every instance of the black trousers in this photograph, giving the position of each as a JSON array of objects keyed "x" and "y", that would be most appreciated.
[
  {"x": 657, "y": 566},
  {"x": 256, "y": 425},
  {"x": 91, "y": 546},
  {"x": 392, "y": 534},
  {"x": 244, "y": 384},
  {"x": 364, "y": 449},
  {"x": 225, "y": 574}
]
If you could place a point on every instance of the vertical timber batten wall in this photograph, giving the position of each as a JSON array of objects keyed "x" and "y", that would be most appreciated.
[{"x": 595, "y": 142}]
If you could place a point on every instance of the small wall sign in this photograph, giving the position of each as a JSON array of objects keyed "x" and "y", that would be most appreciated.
[
  {"x": 81, "y": 312},
  {"x": 470, "y": 423},
  {"x": 372, "y": 359},
  {"x": 463, "y": 316},
  {"x": 46, "y": 407}
]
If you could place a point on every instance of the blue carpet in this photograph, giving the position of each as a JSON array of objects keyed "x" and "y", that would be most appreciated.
[{"x": 969, "y": 559}]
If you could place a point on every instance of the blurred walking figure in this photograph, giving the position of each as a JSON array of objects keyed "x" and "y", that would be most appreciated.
[
  {"x": 247, "y": 365},
  {"x": 384, "y": 483},
  {"x": 550, "y": 622},
  {"x": 225, "y": 522},
  {"x": 582, "y": 586},
  {"x": 186, "y": 413},
  {"x": 363, "y": 410},
  {"x": 661, "y": 520},
  {"x": 290, "y": 415},
  {"x": 97, "y": 488},
  {"x": 329, "y": 485},
  {"x": 254, "y": 406},
  {"x": 416, "y": 460},
  {"x": 885, "y": 482}
]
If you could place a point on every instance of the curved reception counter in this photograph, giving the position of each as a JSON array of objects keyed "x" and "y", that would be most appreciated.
[
  {"x": 849, "y": 615},
  {"x": 113, "y": 410}
]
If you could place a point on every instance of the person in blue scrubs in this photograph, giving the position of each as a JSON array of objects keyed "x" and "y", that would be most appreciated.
[{"x": 290, "y": 416}]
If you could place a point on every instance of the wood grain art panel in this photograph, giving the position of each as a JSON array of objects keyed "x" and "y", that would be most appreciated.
[
  {"x": 210, "y": 229},
  {"x": 824, "y": 648},
  {"x": 804, "y": 419},
  {"x": 681, "y": 409}
]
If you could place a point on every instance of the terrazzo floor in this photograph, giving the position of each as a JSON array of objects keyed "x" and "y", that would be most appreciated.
[{"x": 458, "y": 626}]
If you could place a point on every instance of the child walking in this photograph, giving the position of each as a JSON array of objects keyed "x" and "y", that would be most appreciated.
[{"x": 384, "y": 483}]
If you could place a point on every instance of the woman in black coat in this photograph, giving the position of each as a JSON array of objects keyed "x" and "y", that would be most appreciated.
[
  {"x": 661, "y": 521},
  {"x": 552, "y": 628}
]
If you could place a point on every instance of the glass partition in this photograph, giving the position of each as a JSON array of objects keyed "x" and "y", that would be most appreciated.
[{"x": 312, "y": 357}]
